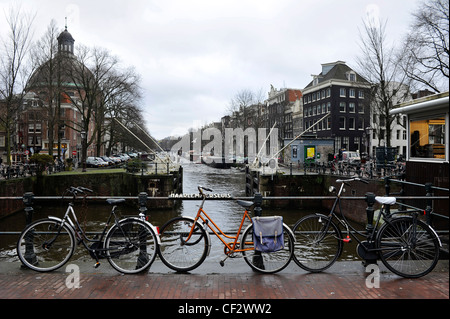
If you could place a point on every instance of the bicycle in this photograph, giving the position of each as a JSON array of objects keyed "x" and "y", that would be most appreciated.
[
  {"x": 185, "y": 242},
  {"x": 130, "y": 245},
  {"x": 405, "y": 244}
]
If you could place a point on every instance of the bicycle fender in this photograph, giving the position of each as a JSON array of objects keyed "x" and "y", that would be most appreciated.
[
  {"x": 290, "y": 231},
  {"x": 206, "y": 231},
  {"x": 59, "y": 220},
  {"x": 434, "y": 232}
]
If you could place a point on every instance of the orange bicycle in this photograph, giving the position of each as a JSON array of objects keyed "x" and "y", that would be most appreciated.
[{"x": 185, "y": 242}]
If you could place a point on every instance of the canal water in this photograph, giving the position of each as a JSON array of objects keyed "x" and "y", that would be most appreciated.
[{"x": 227, "y": 214}]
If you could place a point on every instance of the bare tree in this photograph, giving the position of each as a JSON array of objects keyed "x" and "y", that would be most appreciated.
[
  {"x": 379, "y": 65},
  {"x": 242, "y": 108},
  {"x": 13, "y": 69},
  {"x": 425, "y": 56},
  {"x": 47, "y": 80},
  {"x": 122, "y": 104},
  {"x": 120, "y": 93}
]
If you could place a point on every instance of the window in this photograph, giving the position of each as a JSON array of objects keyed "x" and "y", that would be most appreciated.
[
  {"x": 428, "y": 138},
  {"x": 360, "y": 107},
  {"x": 342, "y": 107},
  {"x": 352, "y": 93},
  {"x": 342, "y": 123},
  {"x": 361, "y": 124},
  {"x": 328, "y": 106},
  {"x": 351, "y": 107},
  {"x": 342, "y": 92},
  {"x": 328, "y": 92},
  {"x": 361, "y": 94},
  {"x": 351, "y": 123},
  {"x": 34, "y": 140},
  {"x": 34, "y": 128}
]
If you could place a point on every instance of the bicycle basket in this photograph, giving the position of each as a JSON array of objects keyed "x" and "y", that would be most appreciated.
[{"x": 268, "y": 233}]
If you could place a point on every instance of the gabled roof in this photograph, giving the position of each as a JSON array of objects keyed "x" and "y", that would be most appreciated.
[{"x": 336, "y": 71}]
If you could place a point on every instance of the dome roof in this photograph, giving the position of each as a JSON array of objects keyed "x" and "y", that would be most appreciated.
[{"x": 65, "y": 36}]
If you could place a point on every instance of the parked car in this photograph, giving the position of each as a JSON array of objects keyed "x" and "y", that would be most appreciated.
[
  {"x": 92, "y": 161},
  {"x": 116, "y": 159},
  {"x": 108, "y": 160},
  {"x": 351, "y": 158}
]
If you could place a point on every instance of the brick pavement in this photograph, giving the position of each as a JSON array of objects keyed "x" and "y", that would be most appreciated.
[{"x": 239, "y": 283}]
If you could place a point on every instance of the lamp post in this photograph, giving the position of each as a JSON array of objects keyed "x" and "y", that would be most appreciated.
[
  {"x": 368, "y": 132},
  {"x": 83, "y": 150}
]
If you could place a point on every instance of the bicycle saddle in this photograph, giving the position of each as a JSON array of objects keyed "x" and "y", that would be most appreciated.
[
  {"x": 386, "y": 200},
  {"x": 245, "y": 204},
  {"x": 112, "y": 201}
]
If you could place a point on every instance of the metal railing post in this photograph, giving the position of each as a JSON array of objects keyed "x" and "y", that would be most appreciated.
[
  {"x": 30, "y": 256},
  {"x": 370, "y": 199}
]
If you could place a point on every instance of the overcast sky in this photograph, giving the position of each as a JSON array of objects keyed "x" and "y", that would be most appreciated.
[{"x": 195, "y": 55}]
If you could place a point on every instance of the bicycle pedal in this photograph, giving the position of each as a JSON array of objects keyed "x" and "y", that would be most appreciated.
[
  {"x": 97, "y": 264},
  {"x": 347, "y": 240},
  {"x": 222, "y": 263}
]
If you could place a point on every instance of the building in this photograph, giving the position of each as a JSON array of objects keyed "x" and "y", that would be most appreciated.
[
  {"x": 282, "y": 107},
  {"x": 397, "y": 93},
  {"x": 427, "y": 155},
  {"x": 49, "y": 108},
  {"x": 344, "y": 94}
]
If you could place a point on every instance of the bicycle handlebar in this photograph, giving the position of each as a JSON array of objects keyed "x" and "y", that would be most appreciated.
[
  {"x": 200, "y": 188},
  {"x": 351, "y": 180},
  {"x": 79, "y": 189}
]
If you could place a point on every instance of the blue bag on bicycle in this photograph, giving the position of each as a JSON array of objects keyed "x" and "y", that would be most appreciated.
[{"x": 268, "y": 233}]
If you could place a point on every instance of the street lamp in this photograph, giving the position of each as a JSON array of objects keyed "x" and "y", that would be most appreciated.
[
  {"x": 368, "y": 132},
  {"x": 83, "y": 150}
]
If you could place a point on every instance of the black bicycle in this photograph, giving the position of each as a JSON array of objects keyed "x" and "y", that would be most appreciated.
[
  {"x": 130, "y": 245},
  {"x": 406, "y": 245}
]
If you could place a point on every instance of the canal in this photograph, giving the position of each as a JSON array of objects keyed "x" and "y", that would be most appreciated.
[{"x": 227, "y": 213}]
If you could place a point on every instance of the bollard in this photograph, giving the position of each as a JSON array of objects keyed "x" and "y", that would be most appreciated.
[
  {"x": 257, "y": 211},
  {"x": 143, "y": 257},
  {"x": 428, "y": 209},
  {"x": 257, "y": 201},
  {"x": 28, "y": 202},
  {"x": 368, "y": 256},
  {"x": 30, "y": 256},
  {"x": 370, "y": 199},
  {"x": 142, "y": 200}
]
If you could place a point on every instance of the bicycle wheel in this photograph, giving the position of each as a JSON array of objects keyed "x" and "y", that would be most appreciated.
[
  {"x": 271, "y": 262},
  {"x": 179, "y": 252},
  {"x": 131, "y": 246},
  {"x": 408, "y": 247},
  {"x": 45, "y": 245},
  {"x": 317, "y": 246}
]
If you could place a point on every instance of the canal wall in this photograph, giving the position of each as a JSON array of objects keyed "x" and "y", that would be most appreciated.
[
  {"x": 103, "y": 184},
  {"x": 307, "y": 185}
]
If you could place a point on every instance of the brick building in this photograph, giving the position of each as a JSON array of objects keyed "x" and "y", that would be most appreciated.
[{"x": 345, "y": 94}]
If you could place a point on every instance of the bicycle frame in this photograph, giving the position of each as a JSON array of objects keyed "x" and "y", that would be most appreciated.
[
  {"x": 371, "y": 234},
  {"x": 232, "y": 247},
  {"x": 76, "y": 228}
]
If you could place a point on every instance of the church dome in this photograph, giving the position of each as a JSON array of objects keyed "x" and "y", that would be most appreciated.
[
  {"x": 63, "y": 69},
  {"x": 65, "y": 42}
]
